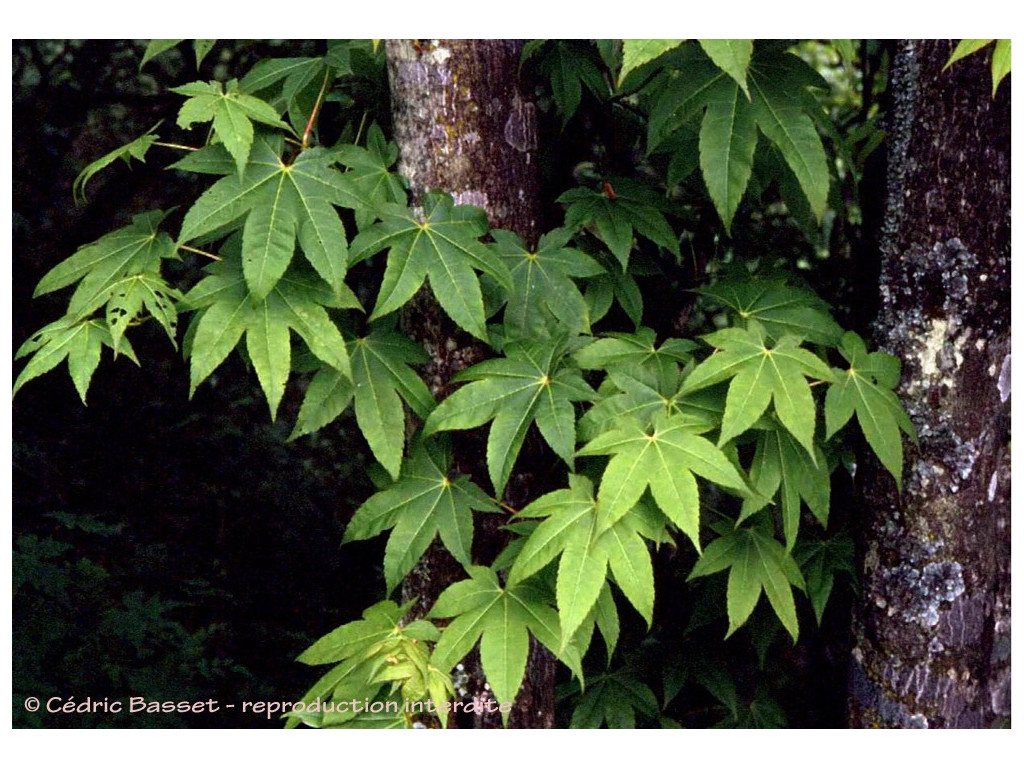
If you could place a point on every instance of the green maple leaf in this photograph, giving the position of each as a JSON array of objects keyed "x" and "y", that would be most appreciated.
[
  {"x": 76, "y": 340},
  {"x": 636, "y": 53},
  {"x": 665, "y": 457},
  {"x": 819, "y": 562},
  {"x": 381, "y": 380},
  {"x": 571, "y": 533},
  {"x": 639, "y": 348},
  {"x": 756, "y": 563},
  {"x": 542, "y": 288},
  {"x": 761, "y": 374},
  {"x": 280, "y": 203},
  {"x": 865, "y": 388},
  {"x": 638, "y": 392},
  {"x": 371, "y": 183},
  {"x": 785, "y": 114},
  {"x": 732, "y": 57},
  {"x": 328, "y": 395},
  {"x": 569, "y": 67},
  {"x": 614, "y": 217},
  {"x": 295, "y": 75},
  {"x": 780, "y": 464},
  {"x": 771, "y": 98},
  {"x": 613, "y": 285},
  {"x": 131, "y": 294},
  {"x": 97, "y": 267},
  {"x": 533, "y": 382},
  {"x": 136, "y": 148},
  {"x": 728, "y": 138},
  {"x": 121, "y": 270},
  {"x": 614, "y": 698},
  {"x": 423, "y": 503},
  {"x": 156, "y": 47},
  {"x": 229, "y": 310},
  {"x": 445, "y": 247},
  {"x": 778, "y": 307},
  {"x": 502, "y": 620},
  {"x": 232, "y": 113},
  {"x": 605, "y": 617},
  {"x": 380, "y": 649}
]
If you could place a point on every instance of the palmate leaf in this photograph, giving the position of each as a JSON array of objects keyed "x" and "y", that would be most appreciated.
[
  {"x": 379, "y": 650},
  {"x": 616, "y": 212},
  {"x": 327, "y": 396},
  {"x": 533, "y": 382},
  {"x": 613, "y": 285},
  {"x": 585, "y": 554},
  {"x": 640, "y": 348},
  {"x": 732, "y": 57},
  {"x": 728, "y": 137},
  {"x": 445, "y": 247},
  {"x": 232, "y": 113},
  {"x": 138, "y": 247},
  {"x": 502, "y": 619},
  {"x": 78, "y": 341},
  {"x": 819, "y": 562},
  {"x": 636, "y": 393},
  {"x": 780, "y": 104},
  {"x": 296, "y": 74},
  {"x": 636, "y": 53},
  {"x": 756, "y": 563},
  {"x": 543, "y": 290},
  {"x": 865, "y": 388},
  {"x": 156, "y": 47},
  {"x": 569, "y": 67},
  {"x": 381, "y": 380},
  {"x": 664, "y": 457},
  {"x": 424, "y": 503},
  {"x": 280, "y": 203},
  {"x": 761, "y": 374},
  {"x": 229, "y": 310},
  {"x": 683, "y": 97},
  {"x": 370, "y": 182},
  {"x": 778, "y": 307},
  {"x": 131, "y": 294},
  {"x": 614, "y": 698},
  {"x": 605, "y": 617},
  {"x": 774, "y": 98},
  {"x": 781, "y": 464},
  {"x": 137, "y": 148}
]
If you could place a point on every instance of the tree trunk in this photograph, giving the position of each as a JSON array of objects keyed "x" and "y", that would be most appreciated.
[
  {"x": 465, "y": 125},
  {"x": 932, "y": 634}
]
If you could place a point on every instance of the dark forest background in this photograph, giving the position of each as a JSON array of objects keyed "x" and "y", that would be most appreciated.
[{"x": 167, "y": 548}]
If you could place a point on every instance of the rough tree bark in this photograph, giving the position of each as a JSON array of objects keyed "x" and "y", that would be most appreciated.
[
  {"x": 464, "y": 124},
  {"x": 932, "y": 634}
]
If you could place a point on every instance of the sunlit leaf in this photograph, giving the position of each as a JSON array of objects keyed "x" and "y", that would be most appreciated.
[
  {"x": 534, "y": 382},
  {"x": 636, "y": 53},
  {"x": 664, "y": 457},
  {"x": 761, "y": 374},
  {"x": 865, "y": 388},
  {"x": 443, "y": 247},
  {"x": 424, "y": 503},
  {"x": 731, "y": 56}
]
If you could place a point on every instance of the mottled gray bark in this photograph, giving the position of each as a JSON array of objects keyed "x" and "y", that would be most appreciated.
[
  {"x": 932, "y": 632},
  {"x": 464, "y": 124}
]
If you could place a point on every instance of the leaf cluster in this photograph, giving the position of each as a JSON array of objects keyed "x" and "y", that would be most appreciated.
[{"x": 716, "y": 445}]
